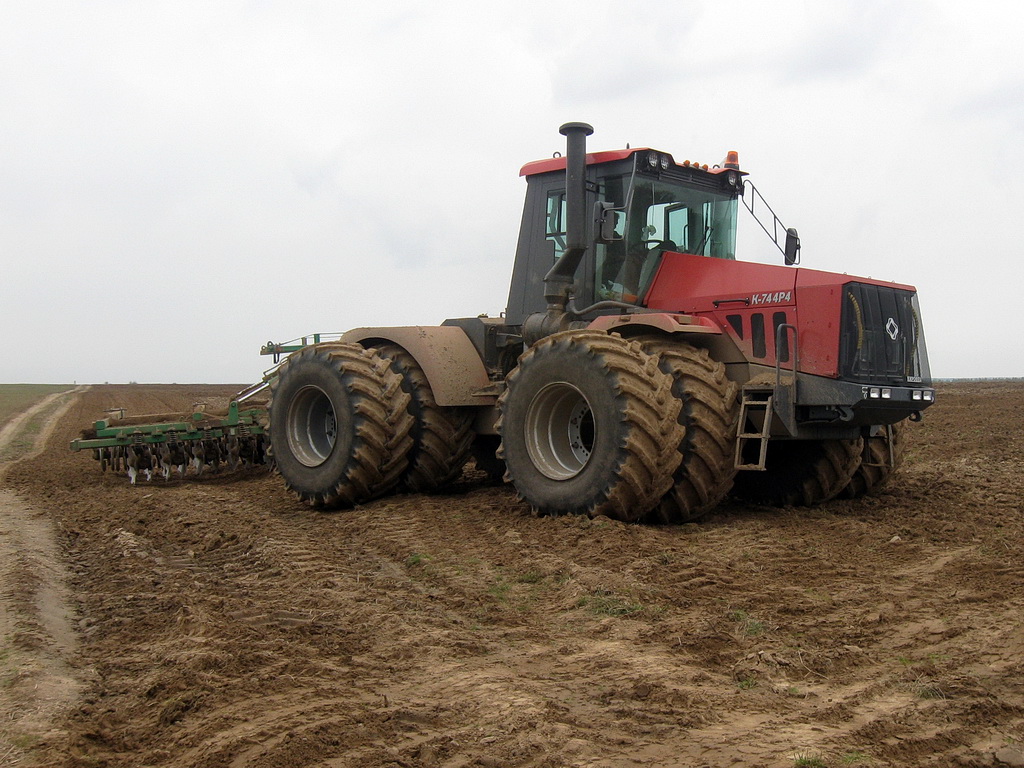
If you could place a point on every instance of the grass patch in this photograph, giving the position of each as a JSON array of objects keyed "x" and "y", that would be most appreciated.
[
  {"x": 15, "y": 398},
  {"x": 530, "y": 577},
  {"x": 750, "y": 626},
  {"x": 809, "y": 761},
  {"x": 25, "y": 438},
  {"x": 855, "y": 758},
  {"x": 499, "y": 590},
  {"x": 604, "y": 603},
  {"x": 24, "y": 741}
]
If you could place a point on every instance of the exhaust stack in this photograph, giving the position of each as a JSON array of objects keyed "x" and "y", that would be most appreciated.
[{"x": 558, "y": 281}]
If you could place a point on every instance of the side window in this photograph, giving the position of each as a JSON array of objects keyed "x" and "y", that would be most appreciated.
[{"x": 555, "y": 228}]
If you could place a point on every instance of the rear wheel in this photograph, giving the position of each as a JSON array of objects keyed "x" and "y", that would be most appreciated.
[
  {"x": 589, "y": 425},
  {"x": 339, "y": 425},
  {"x": 882, "y": 456},
  {"x": 708, "y": 415},
  {"x": 442, "y": 436},
  {"x": 801, "y": 472}
]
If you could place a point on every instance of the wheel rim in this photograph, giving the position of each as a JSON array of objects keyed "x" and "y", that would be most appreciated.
[
  {"x": 312, "y": 426},
  {"x": 560, "y": 431}
]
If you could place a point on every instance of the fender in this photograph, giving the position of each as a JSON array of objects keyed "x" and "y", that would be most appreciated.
[
  {"x": 447, "y": 356},
  {"x": 661, "y": 321},
  {"x": 703, "y": 331}
]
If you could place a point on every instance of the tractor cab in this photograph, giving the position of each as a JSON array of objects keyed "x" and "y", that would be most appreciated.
[{"x": 644, "y": 204}]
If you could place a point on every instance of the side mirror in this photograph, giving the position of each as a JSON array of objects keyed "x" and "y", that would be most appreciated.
[
  {"x": 607, "y": 216},
  {"x": 792, "y": 251}
]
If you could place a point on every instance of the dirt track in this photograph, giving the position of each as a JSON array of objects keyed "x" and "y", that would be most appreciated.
[{"x": 221, "y": 625}]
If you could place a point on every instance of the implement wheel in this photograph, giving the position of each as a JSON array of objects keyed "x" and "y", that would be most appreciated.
[
  {"x": 801, "y": 472},
  {"x": 589, "y": 425},
  {"x": 339, "y": 425},
  {"x": 709, "y": 413},
  {"x": 442, "y": 436},
  {"x": 882, "y": 456}
]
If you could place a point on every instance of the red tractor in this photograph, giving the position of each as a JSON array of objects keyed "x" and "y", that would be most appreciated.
[{"x": 639, "y": 371}]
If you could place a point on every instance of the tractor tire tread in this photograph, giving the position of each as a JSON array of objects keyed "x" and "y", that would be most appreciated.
[
  {"x": 801, "y": 473},
  {"x": 649, "y": 433},
  {"x": 882, "y": 460},
  {"x": 442, "y": 435},
  {"x": 381, "y": 426},
  {"x": 708, "y": 415}
]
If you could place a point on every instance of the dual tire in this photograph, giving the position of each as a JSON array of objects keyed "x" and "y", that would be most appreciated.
[
  {"x": 349, "y": 424},
  {"x": 589, "y": 425},
  {"x": 340, "y": 427}
]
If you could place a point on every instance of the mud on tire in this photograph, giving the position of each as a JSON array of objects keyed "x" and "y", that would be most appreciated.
[
  {"x": 339, "y": 425},
  {"x": 709, "y": 413},
  {"x": 589, "y": 425},
  {"x": 801, "y": 472},
  {"x": 442, "y": 436},
  {"x": 882, "y": 456}
]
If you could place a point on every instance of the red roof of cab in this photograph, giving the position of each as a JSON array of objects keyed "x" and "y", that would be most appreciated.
[
  {"x": 594, "y": 158},
  {"x": 558, "y": 163}
]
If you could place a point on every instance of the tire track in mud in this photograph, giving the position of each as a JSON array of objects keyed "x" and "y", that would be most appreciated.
[
  {"x": 37, "y": 643},
  {"x": 229, "y": 625}
]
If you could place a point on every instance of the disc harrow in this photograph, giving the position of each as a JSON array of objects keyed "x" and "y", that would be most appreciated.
[{"x": 164, "y": 444}]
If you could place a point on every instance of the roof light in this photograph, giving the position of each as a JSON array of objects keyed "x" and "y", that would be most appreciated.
[
  {"x": 652, "y": 159},
  {"x": 732, "y": 160},
  {"x": 665, "y": 161}
]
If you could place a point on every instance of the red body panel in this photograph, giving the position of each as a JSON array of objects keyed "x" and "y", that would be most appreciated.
[{"x": 750, "y": 295}]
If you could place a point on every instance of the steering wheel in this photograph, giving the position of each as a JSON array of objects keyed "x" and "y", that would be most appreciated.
[{"x": 653, "y": 245}]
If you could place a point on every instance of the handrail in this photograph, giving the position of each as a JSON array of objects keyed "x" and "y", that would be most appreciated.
[{"x": 776, "y": 221}]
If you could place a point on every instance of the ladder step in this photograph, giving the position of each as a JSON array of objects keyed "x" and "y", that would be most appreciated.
[{"x": 754, "y": 402}]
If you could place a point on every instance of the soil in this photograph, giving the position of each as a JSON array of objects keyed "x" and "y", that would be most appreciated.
[{"x": 216, "y": 622}]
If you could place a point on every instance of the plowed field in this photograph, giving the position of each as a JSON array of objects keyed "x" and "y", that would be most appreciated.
[{"x": 215, "y": 622}]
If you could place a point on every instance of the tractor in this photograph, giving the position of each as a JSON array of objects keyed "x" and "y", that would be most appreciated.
[{"x": 639, "y": 371}]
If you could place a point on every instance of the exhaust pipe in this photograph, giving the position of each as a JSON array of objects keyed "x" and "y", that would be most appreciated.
[
  {"x": 559, "y": 279},
  {"x": 575, "y": 196}
]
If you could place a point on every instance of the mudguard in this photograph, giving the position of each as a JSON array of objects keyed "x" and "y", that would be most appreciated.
[
  {"x": 447, "y": 356},
  {"x": 702, "y": 331}
]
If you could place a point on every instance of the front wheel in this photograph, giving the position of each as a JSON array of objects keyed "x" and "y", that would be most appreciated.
[
  {"x": 801, "y": 472},
  {"x": 882, "y": 456},
  {"x": 339, "y": 425},
  {"x": 589, "y": 425},
  {"x": 709, "y": 413}
]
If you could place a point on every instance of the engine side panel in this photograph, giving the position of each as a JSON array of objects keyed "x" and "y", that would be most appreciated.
[{"x": 750, "y": 303}]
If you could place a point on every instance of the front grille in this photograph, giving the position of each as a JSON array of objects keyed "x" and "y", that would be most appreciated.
[{"x": 882, "y": 339}]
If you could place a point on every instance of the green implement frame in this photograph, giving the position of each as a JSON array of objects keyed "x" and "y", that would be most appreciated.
[
  {"x": 287, "y": 347},
  {"x": 109, "y": 433}
]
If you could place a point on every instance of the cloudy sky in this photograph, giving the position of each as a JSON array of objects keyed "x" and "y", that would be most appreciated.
[{"x": 183, "y": 181}]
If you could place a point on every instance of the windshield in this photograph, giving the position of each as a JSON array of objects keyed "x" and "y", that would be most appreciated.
[{"x": 662, "y": 215}]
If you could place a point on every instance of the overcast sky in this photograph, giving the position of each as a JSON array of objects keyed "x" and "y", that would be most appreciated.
[{"x": 183, "y": 181}]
